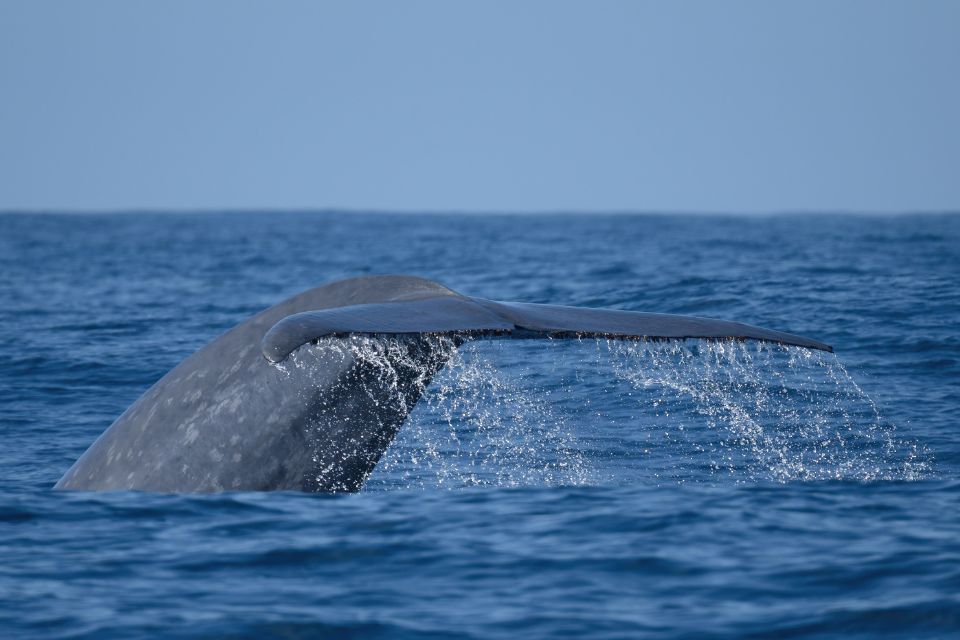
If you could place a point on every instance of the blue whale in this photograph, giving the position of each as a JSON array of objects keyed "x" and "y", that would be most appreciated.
[{"x": 235, "y": 417}]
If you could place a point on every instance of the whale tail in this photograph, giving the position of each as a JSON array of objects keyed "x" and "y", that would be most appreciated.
[{"x": 228, "y": 418}]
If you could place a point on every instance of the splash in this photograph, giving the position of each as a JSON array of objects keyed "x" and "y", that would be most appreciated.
[
  {"x": 547, "y": 413},
  {"x": 480, "y": 425},
  {"x": 758, "y": 411}
]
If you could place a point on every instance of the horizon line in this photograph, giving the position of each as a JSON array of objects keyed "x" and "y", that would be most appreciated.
[{"x": 95, "y": 211}]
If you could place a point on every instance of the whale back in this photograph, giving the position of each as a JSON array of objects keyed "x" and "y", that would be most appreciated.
[{"x": 227, "y": 419}]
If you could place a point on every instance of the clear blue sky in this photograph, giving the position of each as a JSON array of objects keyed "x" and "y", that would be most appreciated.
[{"x": 483, "y": 106}]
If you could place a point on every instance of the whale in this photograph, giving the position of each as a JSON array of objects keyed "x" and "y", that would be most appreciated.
[{"x": 260, "y": 408}]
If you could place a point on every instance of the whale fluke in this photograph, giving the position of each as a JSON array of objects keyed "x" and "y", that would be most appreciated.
[
  {"x": 227, "y": 418},
  {"x": 450, "y": 313}
]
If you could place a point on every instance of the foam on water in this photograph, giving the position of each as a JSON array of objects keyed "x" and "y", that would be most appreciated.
[{"x": 521, "y": 413}]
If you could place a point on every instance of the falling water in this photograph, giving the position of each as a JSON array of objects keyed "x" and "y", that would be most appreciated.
[
  {"x": 559, "y": 412},
  {"x": 479, "y": 424},
  {"x": 758, "y": 411}
]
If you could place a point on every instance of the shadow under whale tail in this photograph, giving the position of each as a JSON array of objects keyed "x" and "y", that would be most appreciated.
[
  {"x": 364, "y": 408},
  {"x": 228, "y": 418}
]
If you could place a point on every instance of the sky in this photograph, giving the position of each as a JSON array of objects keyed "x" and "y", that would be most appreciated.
[{"x": 480, "y": 106}]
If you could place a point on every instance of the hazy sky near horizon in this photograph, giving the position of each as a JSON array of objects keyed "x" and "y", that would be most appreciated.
[{"x": 484, "y": 106}]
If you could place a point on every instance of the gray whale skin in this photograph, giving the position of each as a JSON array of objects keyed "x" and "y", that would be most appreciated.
[{"x": 229, "y": 419}]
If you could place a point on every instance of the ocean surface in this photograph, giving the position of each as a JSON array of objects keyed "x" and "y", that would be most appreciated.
[{"x": 542, "y": 488}]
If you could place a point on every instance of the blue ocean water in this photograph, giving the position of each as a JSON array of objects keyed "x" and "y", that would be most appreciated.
[{"x": 542, "y": 488}]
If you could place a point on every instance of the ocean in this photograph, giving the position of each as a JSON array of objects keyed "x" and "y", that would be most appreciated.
[{"x": 541, "y": 488}]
